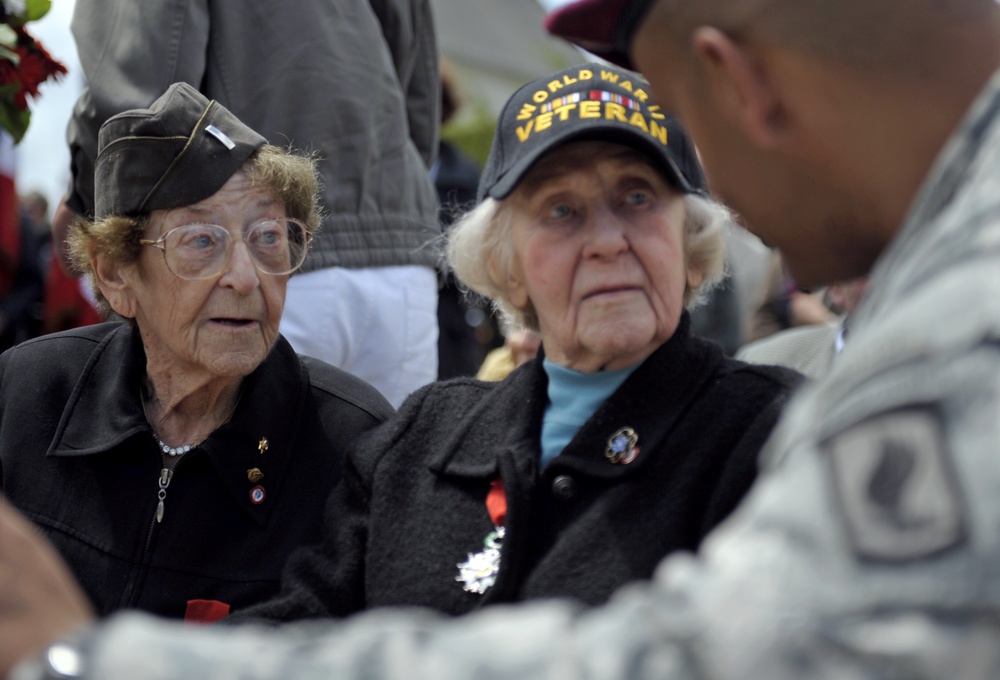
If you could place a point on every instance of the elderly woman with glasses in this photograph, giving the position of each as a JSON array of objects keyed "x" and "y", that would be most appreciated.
[{"x": 177, "y": 457}]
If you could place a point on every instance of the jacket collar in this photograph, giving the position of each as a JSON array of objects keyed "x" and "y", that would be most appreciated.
[
  {"x": 104, "y": 410},
  {"x": 507, "y": 419},
  {"x": 651, "y": 401}
]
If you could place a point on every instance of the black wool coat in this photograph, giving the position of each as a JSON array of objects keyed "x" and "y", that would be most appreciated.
[
  {"x": 412, "y": 505},
  {"x": 78, "y": 458}
]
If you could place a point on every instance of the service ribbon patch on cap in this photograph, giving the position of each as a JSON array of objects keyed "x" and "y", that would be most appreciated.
[
  {"x": 591, "y": 102},
  {"x": 546, "y": 110}
]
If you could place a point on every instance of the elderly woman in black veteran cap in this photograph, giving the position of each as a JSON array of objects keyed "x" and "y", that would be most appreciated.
[
  {"x": 629, "y": 440},
  {"x": 176, "y": 459}
]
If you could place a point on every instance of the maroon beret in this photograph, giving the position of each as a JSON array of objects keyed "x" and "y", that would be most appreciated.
[{"x": 602, "y": 27}]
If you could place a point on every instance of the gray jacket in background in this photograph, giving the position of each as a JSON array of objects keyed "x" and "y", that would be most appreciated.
[
  {"x": 353, "y": 81},
  {"x": 808, "y": 349}
]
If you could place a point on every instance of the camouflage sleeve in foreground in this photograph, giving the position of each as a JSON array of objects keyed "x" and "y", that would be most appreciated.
[{"x": 780, "y": 591}]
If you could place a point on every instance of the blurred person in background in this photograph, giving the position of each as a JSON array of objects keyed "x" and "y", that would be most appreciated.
[
  {"x": 719, "y": 319},
  {"x": 810, "y": 349},
  {"x": 34, "y": 209},
  {"x": 20, "y": 304},
  {"x": 520, "y": 345},
  {"x": 780, "y": 304},
  {"x": 456, "y": 177},
  {"x": 20, "y": 282}
]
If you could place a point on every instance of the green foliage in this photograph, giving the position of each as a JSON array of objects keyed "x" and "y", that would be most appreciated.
[
  {"x": 13, "y": 119},
  {"x": 36, "y": 9},
  {"x": 20, "y": 75},
  {"x": 33, "y": 11},
  {"x": 472, "y": 131},
  {"x": 8, "y": 41}
]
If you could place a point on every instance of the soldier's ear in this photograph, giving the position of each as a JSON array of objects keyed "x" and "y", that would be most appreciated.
[{"x": 740, "y": 84}]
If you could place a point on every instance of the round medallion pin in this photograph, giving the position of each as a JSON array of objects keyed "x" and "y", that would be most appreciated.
[{"x": 257, "y": 495}]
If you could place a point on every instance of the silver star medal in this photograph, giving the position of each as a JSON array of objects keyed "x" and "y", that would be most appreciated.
[{"x": 479, "y": 572}]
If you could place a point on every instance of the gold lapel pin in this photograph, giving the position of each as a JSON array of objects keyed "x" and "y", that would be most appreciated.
[
  {"x": 262, "y": 445},
  {"x": 255, "y": 475}
]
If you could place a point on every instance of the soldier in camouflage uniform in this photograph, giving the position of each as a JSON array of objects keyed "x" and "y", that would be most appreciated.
[{"x": 853, "y": 134}]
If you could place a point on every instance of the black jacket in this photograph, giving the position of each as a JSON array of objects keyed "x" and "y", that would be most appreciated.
[
  {"x": 78, "y": 458},
  {"x": 412, "y": 505}
]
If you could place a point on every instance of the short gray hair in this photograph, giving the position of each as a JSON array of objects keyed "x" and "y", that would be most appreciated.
[{"x": 480, "y": 252}]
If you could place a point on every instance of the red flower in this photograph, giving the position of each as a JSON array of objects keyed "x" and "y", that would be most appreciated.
[
  {"x": 36, "y": 66},
  {"x": 8, "y": 72},
  {"x": 24, "y": 66}
]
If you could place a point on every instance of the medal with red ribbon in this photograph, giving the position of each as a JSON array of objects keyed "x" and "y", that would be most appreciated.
[{"x": 479, "y": 572}]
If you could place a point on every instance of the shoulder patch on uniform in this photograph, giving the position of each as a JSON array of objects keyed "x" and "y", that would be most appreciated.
[{"x": 898, "y": 495}]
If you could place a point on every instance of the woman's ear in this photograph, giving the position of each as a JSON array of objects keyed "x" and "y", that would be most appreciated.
[
  {"x": 517, "y": 291},
  {"x": 741, "y": 85},
  {"x": 115, "y": 282},
  {"x": 694, "y": 276}
]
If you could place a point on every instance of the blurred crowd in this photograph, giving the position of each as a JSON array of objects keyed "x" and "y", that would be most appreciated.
[{"x": 39, "y": 296}]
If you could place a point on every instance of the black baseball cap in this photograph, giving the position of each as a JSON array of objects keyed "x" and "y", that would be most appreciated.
[
  {"x": 179, "y": 151},
  {"x": 587, "y": 102},
  {"x": 602, "y": 27}
]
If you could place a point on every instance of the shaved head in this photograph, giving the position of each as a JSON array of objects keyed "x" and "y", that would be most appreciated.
[
  {"x": 818, "y": 119},
  {"x": 893, "y": 35}
]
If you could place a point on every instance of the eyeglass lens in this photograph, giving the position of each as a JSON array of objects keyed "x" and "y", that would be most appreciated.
[{"x": 202, "y": 250}]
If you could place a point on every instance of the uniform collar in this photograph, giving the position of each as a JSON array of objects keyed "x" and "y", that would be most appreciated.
[
  {"x": 650, "y": 401},
  {"x": 104, "y": 411}
]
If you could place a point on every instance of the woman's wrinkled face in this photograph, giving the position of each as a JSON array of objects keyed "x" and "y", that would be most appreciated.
[
  {"x": 222, "y": 326},
  {"x": 599, "y": 254}
]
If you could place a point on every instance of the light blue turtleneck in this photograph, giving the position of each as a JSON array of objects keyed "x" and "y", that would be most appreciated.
[{"x": 573, "y": 398}]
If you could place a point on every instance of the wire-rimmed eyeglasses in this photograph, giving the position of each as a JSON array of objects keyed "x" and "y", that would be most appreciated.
[{"x": 203, "y": 251}]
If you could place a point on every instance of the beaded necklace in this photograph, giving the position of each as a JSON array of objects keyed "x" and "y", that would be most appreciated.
[{"x": 175, "y": 451}]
